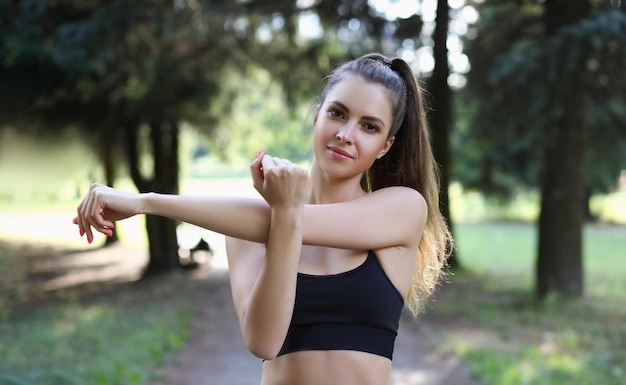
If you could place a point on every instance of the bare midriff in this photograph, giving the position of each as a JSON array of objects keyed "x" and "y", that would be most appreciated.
[{"x": 327, "y": 368}]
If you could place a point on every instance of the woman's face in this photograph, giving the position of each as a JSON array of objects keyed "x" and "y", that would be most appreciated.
[{"x": 351, "y": 128}]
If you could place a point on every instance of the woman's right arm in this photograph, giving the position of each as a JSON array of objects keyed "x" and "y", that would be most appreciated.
[
  {"x": 263, "y": 282},
  {"x": 263, "y": 276}
]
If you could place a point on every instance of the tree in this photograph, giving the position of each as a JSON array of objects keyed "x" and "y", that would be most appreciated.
[
  {"x": 117, "y": 69},
  {"x": 538, "y": 69},
  {"x": 441, "y": 115},
  {"x": 559, "y": 259},
  {"x": 128, "y": 73}
]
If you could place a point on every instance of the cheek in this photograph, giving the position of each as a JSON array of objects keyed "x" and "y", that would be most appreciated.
[
  {"x": 372, "y": 149},
  {"x": 319, "y": 139},
  {"x": 322, "y": 130}
]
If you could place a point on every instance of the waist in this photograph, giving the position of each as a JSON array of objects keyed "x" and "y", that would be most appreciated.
[{"x": 327, "y": 368}]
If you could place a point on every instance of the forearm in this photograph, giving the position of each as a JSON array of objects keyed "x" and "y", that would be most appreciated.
[
  {"x": 244, "y": 218},
  {"x": 270, "y": 307}
]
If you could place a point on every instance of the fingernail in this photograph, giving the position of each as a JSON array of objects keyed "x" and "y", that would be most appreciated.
[
  {"x": 81, "y": 232},
  {"x": 89, "y": 240},
  {"x": 109, "y": 233},
  {"x": 259, "y": 153}
]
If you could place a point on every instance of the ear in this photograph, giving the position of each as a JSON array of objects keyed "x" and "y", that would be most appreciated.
[{"x": 386, "y": 147}]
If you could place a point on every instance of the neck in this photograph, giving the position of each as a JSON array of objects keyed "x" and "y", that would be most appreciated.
[{"x": 324, "y": 189}]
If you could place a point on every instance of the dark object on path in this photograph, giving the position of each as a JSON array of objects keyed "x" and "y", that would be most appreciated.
[{"x": 199, "y": 254}]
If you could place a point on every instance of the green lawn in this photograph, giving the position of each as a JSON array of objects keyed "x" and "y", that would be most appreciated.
[
  {"x": 556, "y": 342},
  {"x": 117, "y": 337}
]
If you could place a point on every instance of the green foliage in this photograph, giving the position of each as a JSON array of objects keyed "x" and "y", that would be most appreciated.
[
  {"x": 518, "y": 82},
  {"x": 101, "y": 65},
  {"x": 31, "y": 170},
  {"x": 261, "y": 119}
]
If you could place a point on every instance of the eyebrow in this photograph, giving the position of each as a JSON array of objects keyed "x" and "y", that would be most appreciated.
[{"x": 372, "y": 118}]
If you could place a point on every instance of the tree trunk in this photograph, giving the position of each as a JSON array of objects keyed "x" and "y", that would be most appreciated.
[
  {"x": 441, "y": 115},
  {"x": 163, "y": 243},
  {"x": 559, "y": 260}
]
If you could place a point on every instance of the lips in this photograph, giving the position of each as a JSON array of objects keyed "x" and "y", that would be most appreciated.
[{"x": 339, "y": 153}]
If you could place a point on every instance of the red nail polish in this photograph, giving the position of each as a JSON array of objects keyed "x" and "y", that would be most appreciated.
[
  {"x": 259, "y": 153},
  {"x": 81, "y": 232}
]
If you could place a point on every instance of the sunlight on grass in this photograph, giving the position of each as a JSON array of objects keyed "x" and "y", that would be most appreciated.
[
  {"x": 610, "y": 207},
  {"x": 526, "y": 367},
  {"x": 472, "y": 206}
]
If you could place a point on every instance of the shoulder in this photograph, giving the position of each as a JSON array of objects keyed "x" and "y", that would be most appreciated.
[
  {"x": 402, "y": 192},
  {"x": 402, "y": 197},
  {"x": 405, "y": 204}
]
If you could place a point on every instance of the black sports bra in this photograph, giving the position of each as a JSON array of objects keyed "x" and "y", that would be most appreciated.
[{"x": 355, "y": 310}]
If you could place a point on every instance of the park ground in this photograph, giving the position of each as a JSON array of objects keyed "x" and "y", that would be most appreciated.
[{"x": 214, "y": 353}]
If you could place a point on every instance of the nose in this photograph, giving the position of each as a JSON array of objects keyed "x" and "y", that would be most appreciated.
[{"x": 346, "y": 133}]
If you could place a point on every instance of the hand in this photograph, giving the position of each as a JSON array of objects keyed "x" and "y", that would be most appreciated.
[
  {"x": 280, "y": 182},
  {"x": 101, "y": 207}
]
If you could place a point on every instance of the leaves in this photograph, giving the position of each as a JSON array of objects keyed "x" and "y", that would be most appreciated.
[{"x": 521, "y": 77}]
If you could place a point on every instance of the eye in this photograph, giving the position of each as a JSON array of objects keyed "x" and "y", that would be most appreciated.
[
  {"x": 370, "y": 127},
  {"x": 335, "y": 113}
]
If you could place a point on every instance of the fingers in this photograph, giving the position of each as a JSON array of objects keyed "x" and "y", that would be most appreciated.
[
  {"x": 269, "y": 164},
  {"x": 83, "y": 219},
  {"x": 264, "y": 164},
  {"x": 80, "y": 219},
  {"x": 256, "y": 170},
  {"x": 90, "y": 214},
  {"x": 284, "y": 184}
]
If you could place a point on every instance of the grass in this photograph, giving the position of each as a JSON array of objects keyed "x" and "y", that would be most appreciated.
[
  {"x": 118, "y": 337},
  {"x": 554, "y": 342}
]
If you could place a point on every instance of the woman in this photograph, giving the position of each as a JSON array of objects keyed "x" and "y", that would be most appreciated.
[{"x": 322, "y": 266}]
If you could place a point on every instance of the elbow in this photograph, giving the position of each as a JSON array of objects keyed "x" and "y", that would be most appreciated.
[
  {"x": 263, "y": 349},
  {"x": 264, "y": 354}
]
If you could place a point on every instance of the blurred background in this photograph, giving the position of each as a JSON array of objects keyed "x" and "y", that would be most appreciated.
[{"x": 527, "y": 110}]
